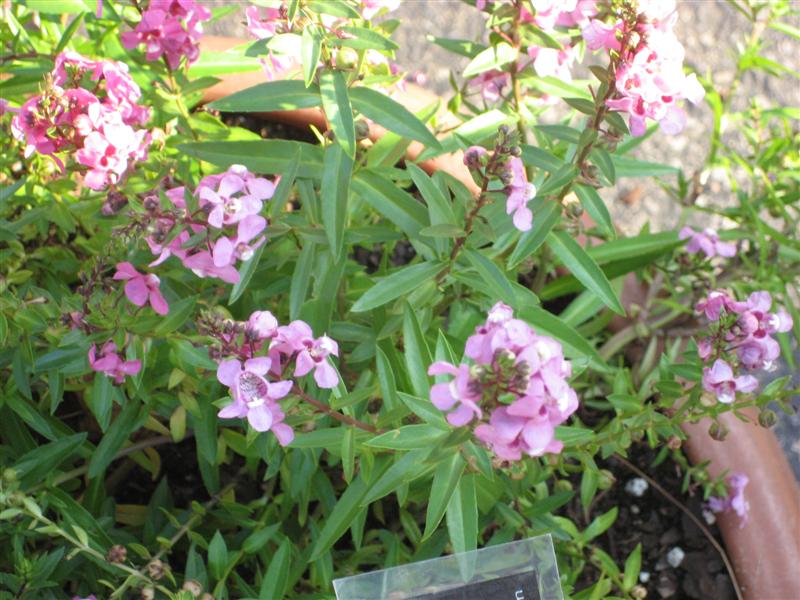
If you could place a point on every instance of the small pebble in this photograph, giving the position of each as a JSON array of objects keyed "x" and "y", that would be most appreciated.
[
  {"x": 709, "y": 516},
  {"x": 644, "y": 576},
  {"x": 636, "y": 487},
  {"x": 635, "y": 509},
  {"x": 675, "y": 557}
]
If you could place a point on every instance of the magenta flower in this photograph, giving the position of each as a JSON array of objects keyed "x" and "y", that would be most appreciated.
[
  {"x": 599, "y": 35},
  {"x": 520, "y": 192},
  {"x": 316, "y": 357},
  {"x": 445, "y": 396},
  {"x": 735, "y": 499},
  {"x": 262, "y": 325},
  {"x": 111, "y": 363},
  {"x": 227, "y": 250},
  {"x": 141, "y": 288},
  {"x": 254, "y": 397},
  {"x": 510, "y": 436},
  {"x": 202, "y": 264},
  {"x": 370, "y": 8},
  {"x": 720, "y": 380},
  {"x": 263, "y": 27},
  {"x": 169, "y": 28},
  {"x": 491, "y": 84},
  {"x": 232, "y": 196},
  {"x": 707, "y": 242},
  {"x": 714, "y": 304}
]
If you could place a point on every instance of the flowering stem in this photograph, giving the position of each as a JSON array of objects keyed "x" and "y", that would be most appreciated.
[{"x": 336, "y": 414}]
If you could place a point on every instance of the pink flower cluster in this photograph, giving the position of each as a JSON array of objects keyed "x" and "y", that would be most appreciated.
[
  {"x": 254, "y": 380},
  {"x": 110, "y": 362},
  {"x": 650, "y": 81},
  {"x": 88, "y": 108},
  {"x": 169, "y": 28},
  {"x": 520, "y": 192},
  {"x": 517, "y": 376},
  {"x": 370, "y": 8},
  {"x": 230, "y": 204},
  {"x": 741, "y": 333},
  {"x": 735, "y": 499},
  {"x": 707, "y": 242},
  {"x": 550, "y": 14}
]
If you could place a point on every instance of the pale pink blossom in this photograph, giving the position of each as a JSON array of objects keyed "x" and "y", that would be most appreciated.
[
  {"x": 315, "y": 357},
  {"x": 707, "y": 242},
  {"x": 231, "y": 196},
  {"x": 141, "y": 288},
  {"x": 720, "y": 380},
  {"x": 254, "y": 397},
  {"x": 520, "y": 192},
  {"x": 601, "y": 35},
  {"x": 457, "y": 397},
  {"x": 491, "y": 84},
  {"x": 263, "y": 22},
  {"x": 262, "y": 325},
  {"x": 370, "y": 8},
  {"x": 735, "y": 499},
  {"x": 108, "y": 361},
  {"x": 226, "y": 250}
]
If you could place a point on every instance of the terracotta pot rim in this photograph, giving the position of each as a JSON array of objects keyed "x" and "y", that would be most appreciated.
[{"x": 766, "y": 551}]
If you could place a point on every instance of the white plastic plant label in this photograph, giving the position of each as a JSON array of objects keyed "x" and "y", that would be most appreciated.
[{"x": 524, "y": 570}]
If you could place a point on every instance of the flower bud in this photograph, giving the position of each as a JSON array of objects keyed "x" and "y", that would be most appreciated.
[
  {"x": 117, "y": 554},
  {"x": 156, "y": 569},
  {"x": 767, "y": 417},
  {"x": 674, "y": 442},
  {"x": 605, "y": 480},
  {"x": 718, "y": 431},
  {"x": 9, "y": 475},
  {"x": 475, "y": 157},
  {"x": 639, "y": 592},
  {"x": 515, "y": 151},
  {"x": 147, "y": 593},
  {"x": 193, "y": 587},
  {"x": 346, "y": 58},
  {"x": 362, "y": 130}
]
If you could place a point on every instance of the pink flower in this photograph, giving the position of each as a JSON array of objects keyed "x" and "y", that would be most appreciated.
[
  {"x": 549, "y": 62},
  {"x": 254, "y": 397},
  {"x": 111, "y": 363},
  {"x": 520, "y": 192},
  {"x": 202, "y": 264},
  {"x": 716, "y": 301},
  {"x": 735, "y": 499},
  {"x": 263, "y": 27},
  {"x": 141, "y": 288},
  {"x": 296, "y": 340},
  {"x": 491, "y": 84},
  {"x": 262, "y": 325},
  {"x": 720, "y": 380},
  {"x": 227, "y": 250},
  {"x": 564, "y": 13},
  {"x": 599, "y": 35},
  {"x": 707, "y": 242},
  {"x": 459, "y": 392},
  {"x": 370, "y": 8},
  {"x": 232, "y": 196},
  {"x": 169, "y": 28},
  {"x": 510, "y": 436}
]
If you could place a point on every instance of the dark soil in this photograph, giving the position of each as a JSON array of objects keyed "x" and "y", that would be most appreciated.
[{"x": 660, "y": 527}]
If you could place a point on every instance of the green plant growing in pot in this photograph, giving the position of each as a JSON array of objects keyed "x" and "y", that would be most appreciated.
[{"x": 243, "y": 367}]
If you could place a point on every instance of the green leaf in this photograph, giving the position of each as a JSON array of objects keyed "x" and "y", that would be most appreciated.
[
  {"x": 493, "y": 57},
  {"x": 584, "y": 268},
  {"x": 630, "y": 167},
  {"x": 402, "y": 281},
  {"x": 599, "y": 525},
  {"x": 129, "y": 419},
  {"x": 270, "y": 96},
  {"x": 365, "y": 39},
  {"x": 445, "y": 479},
  {"x": 246, "y": 274},
  {"x": 337, "y": 8},
  {"x": 100, "y": 400},
  {"x": 589, "y": 482},
  {"x": 546, "y": 213},
  {"x": 259, "y": 538},
  {"x": 178, "y": 314},
  {"x": 633, "y": 564},
  {"x": 334, "y": 193},
  {"x": 575, "y": 345},
  {"x": 273, "y": 585},
  {"x": 301, "y": 279},
  {"x": 417, "y": 354},
  {"x": 260, "y": 156},
  {"x": 335, "y": 101},
  {"x": 540, "y": 158},
  {"x": 408, "y": 437},
  {"x": 602, "y": 159},
  {"x": 558, "y": 180},
  {"x": 59, "y": 8},
  {"x": 68, "y": 33},
  {"x": 462, "y": 516},
  {"x": 466, "y": 48},
  {"x": 594, "y": 205},
  {"x": 349, "y": 453},
  {"x": 393, "y": 116},
  {"x": 217, "y": 556},
  {"x": 384, "y": 196},
  {"x": 573, "y": 436},
  {"x": 32, "y": 467},
  {"x": 346, "y": 510},
  {"x": 309, "y": 52},
  {"x": 439, "y": 207},
  {"x": 386, "y": 379},
  {"x": 496, "y": 281},
  {"x": 406, "y": 468}
]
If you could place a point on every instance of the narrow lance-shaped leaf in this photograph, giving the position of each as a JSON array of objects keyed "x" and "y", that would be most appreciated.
[
  {"x": 334, "y": 192},
  {"x": 335, "y": 101},
  {"x": 584, "y": 268},
  {"x": 445, "y": 480},
  {"x": 272, "y": 95},
  {"x": 393, "y": 116},
  {"x": 417, "y": 354},
  {"x": 310, "y": 52},
  {"x": 402, "y": 281}
]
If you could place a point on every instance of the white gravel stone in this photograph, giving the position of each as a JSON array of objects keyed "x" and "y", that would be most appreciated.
[
  {"x": 636, "y": 487},
  {"x": 675, "y": 557},
  {"x": 644, "y": 576}
]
